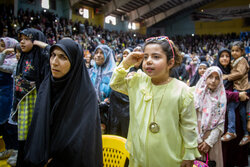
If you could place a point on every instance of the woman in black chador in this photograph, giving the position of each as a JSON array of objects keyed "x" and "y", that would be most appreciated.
[{"x": 65, "y": 130}]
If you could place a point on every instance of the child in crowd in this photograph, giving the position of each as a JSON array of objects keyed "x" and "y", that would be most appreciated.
[
  {"x": 119, "y": 59},
  {"x": 8, "y": 64},
  {"x": 210, "y": 103},
  {"x": 192, "y": 65},
  {"x": 202, "y": 67},
  {"x": 239, "y": 76},
  {"x": 87, "y": 57},
  {"x": 162, "y": 116},
  {"x": 126, "y": 52},
  {"x": 31, "y": 69}
]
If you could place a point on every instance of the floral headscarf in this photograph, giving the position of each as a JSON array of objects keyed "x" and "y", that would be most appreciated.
[
  {"x": 210, "y": 104},
  {"x": 9, "y": 43}
]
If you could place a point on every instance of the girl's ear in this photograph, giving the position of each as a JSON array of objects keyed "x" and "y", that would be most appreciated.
[{"x": 171, "y": 63}]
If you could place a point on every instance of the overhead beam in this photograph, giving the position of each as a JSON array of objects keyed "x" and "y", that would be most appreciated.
[
  {"x": 73, "y": 2},
  {"x": 163, "y": 15},
  {"x": 113, "y": 5},
  {"x": 137, "y": 13}
]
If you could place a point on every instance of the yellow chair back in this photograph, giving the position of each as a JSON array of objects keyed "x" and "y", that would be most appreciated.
[
  {"x": 2, "y": 145},
  {"x": 114, "y": 151}
]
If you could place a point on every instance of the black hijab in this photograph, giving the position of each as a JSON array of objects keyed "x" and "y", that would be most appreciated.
[
  {"x": 36, "y": 57},
  {"x": 66, "y": 121},
  {"x": 225, "y": 70}
]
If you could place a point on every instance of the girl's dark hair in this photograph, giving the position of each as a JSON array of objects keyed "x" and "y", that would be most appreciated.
[
  {"x": 165, "y": 44},
  {"x": 240, "y": 44},
  {"x": 17, "y": 48}
]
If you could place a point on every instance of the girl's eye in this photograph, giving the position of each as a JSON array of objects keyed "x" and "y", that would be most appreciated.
[
  {"x": 156, "y": 57},
  {"x": 53, "y": 55}
]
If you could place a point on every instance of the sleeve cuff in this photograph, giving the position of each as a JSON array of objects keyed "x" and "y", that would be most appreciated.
[
  {"x": 121, "y": 69},
  {"x": 209, "y": 143},
  {"x": 191, "y": 154}
]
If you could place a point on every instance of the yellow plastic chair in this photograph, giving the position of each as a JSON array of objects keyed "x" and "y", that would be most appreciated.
[
  {"x": 2, "y": 145},
  {"x": 114, "y": 151}
]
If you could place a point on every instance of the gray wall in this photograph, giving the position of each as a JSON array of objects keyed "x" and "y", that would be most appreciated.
[
  {"x": 181, "y": 24},
  {"x": 62, "y": 7}
]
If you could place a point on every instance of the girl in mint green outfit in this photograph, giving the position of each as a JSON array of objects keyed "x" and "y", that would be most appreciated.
[{"x": 162, "y": 115}]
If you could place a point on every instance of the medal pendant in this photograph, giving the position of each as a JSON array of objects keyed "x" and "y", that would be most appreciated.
[{"x": 154, "y": 127}]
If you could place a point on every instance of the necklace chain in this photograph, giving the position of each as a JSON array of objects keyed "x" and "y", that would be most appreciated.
[{"x": 155, "y": 113}]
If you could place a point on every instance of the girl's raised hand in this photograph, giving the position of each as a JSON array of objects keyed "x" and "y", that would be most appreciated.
[
  {"x": 8, "y": 51},
  {"x": 132, "y": 58}
]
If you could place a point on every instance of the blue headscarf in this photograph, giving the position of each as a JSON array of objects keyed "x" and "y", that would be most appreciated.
[{"x": 100, "y": 75}]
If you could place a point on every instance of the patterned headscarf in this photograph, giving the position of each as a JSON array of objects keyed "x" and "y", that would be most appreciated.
[
  {"x": 100, "y": 75},
  {"x": 211, "y": 104},
  {"x": 9, "y": 43}
]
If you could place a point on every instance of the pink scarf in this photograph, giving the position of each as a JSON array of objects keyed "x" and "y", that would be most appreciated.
[{"x": 211, "y": 105}]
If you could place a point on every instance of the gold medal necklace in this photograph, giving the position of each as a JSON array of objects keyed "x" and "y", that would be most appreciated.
[{"x": 153, "y": 126}]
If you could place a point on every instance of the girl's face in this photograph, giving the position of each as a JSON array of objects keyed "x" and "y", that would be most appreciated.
[
  {"x": 125, "y": 54},
  {"x": 202, "y": 69},
  {"x": 26, "y": 44},
  {"x": 18, "y": 54},
  {"x": 59, "y": 63},
  {"x": 99, "y": 57},
  {"x": 236, "y": 52},
  {"x": 2, "y": 46},
  {"x": 87, "y": 58},
  {"x": 119, "y": 59},
  {"x": 224, "y": 58},
  {"x": 213, "y": 81},
  {"x": 155, "y": 62}
]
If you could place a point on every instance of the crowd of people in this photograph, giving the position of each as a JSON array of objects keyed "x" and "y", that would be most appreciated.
[{"x": 63, "y": 84}]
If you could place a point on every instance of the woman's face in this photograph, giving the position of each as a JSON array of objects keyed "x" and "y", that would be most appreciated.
[
  {"x": 213, "y": 81},
  {"x": 224, "y": 58},
  {"x": 26, "y": 44},
  {"x": 99, "y": 57},
  {"x": 59, "y": 63},
  {"x": 202, "y": 69},
  {"x": 2, "y": 46}
]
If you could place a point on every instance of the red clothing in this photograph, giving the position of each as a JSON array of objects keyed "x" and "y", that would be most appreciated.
[{"x": 232, "y": 96}]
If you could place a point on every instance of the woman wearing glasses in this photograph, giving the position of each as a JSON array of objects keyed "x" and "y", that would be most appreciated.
[{"x": 162, "y": 115}]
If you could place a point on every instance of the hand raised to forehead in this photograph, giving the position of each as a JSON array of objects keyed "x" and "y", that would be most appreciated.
[{"x": 132, "y": 59}]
